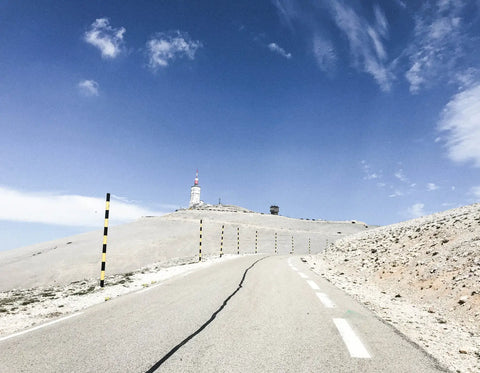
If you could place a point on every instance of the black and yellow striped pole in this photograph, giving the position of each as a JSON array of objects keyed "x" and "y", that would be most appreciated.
[
  {"x": 276, "y": 251},
  {"x": 221, "y": 241},
  {"x": 309, "y": 250},
  {"x": 238, "y": 240},
  {"x": 293, "y": 247},
  {"x": 200, "y": 247},
  {"x": 104, "y": 248},
  {"x": 256, "y": 241}
]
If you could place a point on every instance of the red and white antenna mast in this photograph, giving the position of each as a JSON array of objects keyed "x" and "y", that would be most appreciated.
[{"x": 196, "y": 178}]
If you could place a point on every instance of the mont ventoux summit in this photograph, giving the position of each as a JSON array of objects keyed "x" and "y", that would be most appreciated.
[
  {"x": 161, "y": 239},
  {"x": 420, "y": 278}
]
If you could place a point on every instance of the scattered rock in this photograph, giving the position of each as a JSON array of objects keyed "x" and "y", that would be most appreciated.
[{"x": 463, "y": 299}]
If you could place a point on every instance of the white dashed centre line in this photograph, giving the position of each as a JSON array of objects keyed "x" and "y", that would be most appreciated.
[
  {"x": 302, "y": 275},
  {"x": 40, "y": 326},
  {"x": 351, "y": 340},
  {"x": 326, "y": 301},
  {"x": 313, "y": 285}
]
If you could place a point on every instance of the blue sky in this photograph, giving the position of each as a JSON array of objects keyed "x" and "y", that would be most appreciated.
[{"x": 334, "y": 109}]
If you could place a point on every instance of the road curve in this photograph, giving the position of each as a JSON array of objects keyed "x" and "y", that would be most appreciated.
[{"x": 251, "y": 314}]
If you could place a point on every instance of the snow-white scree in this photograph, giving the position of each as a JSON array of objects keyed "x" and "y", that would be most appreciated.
[
  {"x": 24, "y": 308},
  {"x": 422, "y": 276}
]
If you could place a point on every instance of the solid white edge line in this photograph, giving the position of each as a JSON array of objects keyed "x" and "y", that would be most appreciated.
[
  {"x": 39, "y": 326},
  {"x": 303, "y": 275},
  {"x": 351, "y": 340},
  {"x": 313, "y": 285},
  {"x": 326, "y": 301}
]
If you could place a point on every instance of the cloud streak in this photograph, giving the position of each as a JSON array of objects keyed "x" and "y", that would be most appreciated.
[
  {"x": 439, "y": 47},
  {"x": 438, "y": 43},
  {"x": 67, "y": 210},
  {"x": 88, "y": 87},
  {"x": 417, "y": 210},
  {"x": 107, "y": 39},
  {"x": 367, "y": 170},
  {"x": 475, "y": 191},
  {"x": 164, "y": 48},
  {"x": 461, "y": 122},
  {"x": 365, "y": 41},
  {"x": 274, "y": 47}
]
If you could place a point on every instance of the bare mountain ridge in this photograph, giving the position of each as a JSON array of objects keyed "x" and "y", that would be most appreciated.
[{"x": 171, "y": 239}]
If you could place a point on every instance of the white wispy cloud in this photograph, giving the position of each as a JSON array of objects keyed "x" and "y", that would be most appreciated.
[
  {"x": 438, "y": 43},
  {"x": 287, "y": 11},
  {"x": 166, "y": 47},
  {"x": 88, "y": 87},
  {"x": 365, "y": 41},
  {"x": 432, "y": 186},
  {"x": 381, "y": 20},
  {"x": 274, "y": 47},
  {"x": 368, "y": 173},
  {"x": 416, "y": 210},
  {"x": 106, "y": 38},
  {"x": 396, "y": 193},
  {"x": 466, "y": 78},
  {"x": 461, "y": 123},
  {"x": 62, "y": 209},
  {"x": 396, "y": 184},
  {"x": 475, "y": 191},
  {"x": 400, "y": 175}
]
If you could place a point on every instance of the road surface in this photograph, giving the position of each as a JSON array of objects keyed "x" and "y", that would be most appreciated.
[{"x": 256, "y": 313}]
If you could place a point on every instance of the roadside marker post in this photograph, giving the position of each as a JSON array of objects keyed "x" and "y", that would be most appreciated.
[
  {"x": 200, "y": 247},
  {"x": 256, "y": 241},
  {"x": 293, "y": 247},
  {"x": 309, "y": 250},
  {"x": 276, "y": 251},
  {"x": 221, "y": 241},
  {"x": 238, "y": 240},
  {"x": 104, "y": 247}
]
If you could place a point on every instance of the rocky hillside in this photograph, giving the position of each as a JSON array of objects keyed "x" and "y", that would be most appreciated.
[{"x": 423, "y": 276}]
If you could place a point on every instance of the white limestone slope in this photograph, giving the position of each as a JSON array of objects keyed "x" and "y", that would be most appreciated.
[{"x": 168, "y": 240}]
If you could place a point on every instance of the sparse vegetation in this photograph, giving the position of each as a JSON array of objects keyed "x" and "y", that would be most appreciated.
[
  {"x": 90, "y": 289},
  {"x": 29, "y": 301}
]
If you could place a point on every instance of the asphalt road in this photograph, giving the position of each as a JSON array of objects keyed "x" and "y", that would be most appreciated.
[{"x": 251, "y": 314}]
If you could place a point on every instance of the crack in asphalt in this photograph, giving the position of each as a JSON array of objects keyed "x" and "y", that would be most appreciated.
[{"x": 199, "y": 330}]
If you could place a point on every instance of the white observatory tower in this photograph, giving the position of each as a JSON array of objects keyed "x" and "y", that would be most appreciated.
[{"x": 195, "y": 193}]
